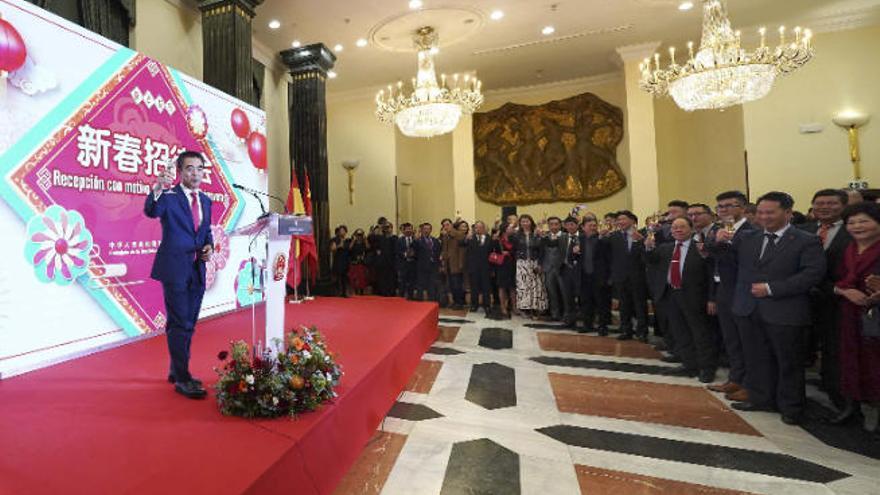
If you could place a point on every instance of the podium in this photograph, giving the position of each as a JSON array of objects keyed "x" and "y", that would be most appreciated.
[{"x": 269, "y": 238}]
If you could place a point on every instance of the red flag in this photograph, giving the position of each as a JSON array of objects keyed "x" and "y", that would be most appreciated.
[
  {"x": 294, "y": 205},
  {"x": 308, "y": 247}
]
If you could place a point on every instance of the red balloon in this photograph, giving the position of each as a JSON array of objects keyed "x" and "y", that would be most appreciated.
[
  {"x": 12, "y": 49},
  {"x": 241, "y": 126},
  {"x": 256, "y": 146}
]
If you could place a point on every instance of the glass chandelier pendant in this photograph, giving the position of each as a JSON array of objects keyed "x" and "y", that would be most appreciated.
[
  {"x": 722, "y": 74},
  {"x": 431, "y": 109}
]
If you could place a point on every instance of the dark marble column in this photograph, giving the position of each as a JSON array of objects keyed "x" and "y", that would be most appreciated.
[
  {"x": 226, "y": 44},
  {"x": 307, "y": 93}
]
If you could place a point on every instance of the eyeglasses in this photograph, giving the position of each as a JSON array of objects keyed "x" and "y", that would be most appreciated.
[{"x": 728, "y": 205}]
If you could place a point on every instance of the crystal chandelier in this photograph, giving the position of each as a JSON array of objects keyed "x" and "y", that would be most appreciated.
[
  {"x": 722, "y": 74},
  {"x": 431, "y": 109}
]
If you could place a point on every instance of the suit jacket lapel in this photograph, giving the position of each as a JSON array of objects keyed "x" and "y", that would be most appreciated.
[{"x": 781, "y": 244}]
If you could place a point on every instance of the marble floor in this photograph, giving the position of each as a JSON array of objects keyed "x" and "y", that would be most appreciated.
[{"x": 511, "y": 407}]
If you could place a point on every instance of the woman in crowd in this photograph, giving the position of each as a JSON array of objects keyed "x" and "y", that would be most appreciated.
[
  {"x": 859, "y": 326},
  {"x": 339, "y": 251},
  {"x": 453, "y": 253},
  {"x": 505, "y": 267},
  {"x": 531, "y": 295},
  {"x": 358, "y": 274}
]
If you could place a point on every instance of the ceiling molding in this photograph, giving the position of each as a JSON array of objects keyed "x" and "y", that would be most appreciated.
[
  {"x": 557, "y": 39},
  {"x": 637, "y": 52},
  {"x": 846, "y": 20},
  {"x": 611, "y": 77}
]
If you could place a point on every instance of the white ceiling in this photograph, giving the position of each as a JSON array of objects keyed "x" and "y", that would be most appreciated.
[{"x": 513, "y": 52}]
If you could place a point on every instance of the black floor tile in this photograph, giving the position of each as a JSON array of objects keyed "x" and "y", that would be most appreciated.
[
  {"x": 444, "y": 351},
  {"x": 492, "y": 386},
  {"x": 772, "y": 464},
  {"x": 595, "y": 364},
  {"x": 412, "y": 412},
  {"x": 496, "y": 338},
  {"x": 481, "y": 467}
]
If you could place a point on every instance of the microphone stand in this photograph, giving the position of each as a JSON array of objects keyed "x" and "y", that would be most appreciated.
[{"x": 255, "y": 193}]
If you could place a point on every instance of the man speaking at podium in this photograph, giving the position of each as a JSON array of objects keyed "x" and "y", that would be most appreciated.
[{"x": 185, "y": 214}]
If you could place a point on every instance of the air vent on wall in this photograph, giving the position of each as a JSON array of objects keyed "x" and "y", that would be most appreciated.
[{"x": 557, "y": 39}]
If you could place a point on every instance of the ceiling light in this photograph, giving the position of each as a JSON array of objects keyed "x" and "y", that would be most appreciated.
[
  {"x": 434, "y": 50},
  {"x": 548, "y": 30},
  {"x": 338, "y": 48},
  {"x": 361, "y": 43},
  {"x": 331, "y": 74},
  {"x": 721, "y": 73},
  {"x": 274, "y": 24},
  {"x": 686, "y": 6},
  {"x": 296, "y": 44},
  {"x": 415, "y": 4},
  {"x": 431, "y": 108},
  {"x": 496, "y": 15}
]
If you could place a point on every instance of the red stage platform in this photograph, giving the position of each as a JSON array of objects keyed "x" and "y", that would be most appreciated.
[{"x": 109, "y": 423}]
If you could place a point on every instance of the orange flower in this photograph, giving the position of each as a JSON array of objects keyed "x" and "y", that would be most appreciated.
[
  {"x": 298, "y": 344},
  {"x": 294, "y": 359},
  {"x": 242, "y": 386},
  {"x": 297, "y": 382}
]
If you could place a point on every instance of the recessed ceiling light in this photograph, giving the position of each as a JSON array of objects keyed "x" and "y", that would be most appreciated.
[
  {"x": 331, "y": 74},
  {"x": 274, "y": 24},
  {"x": 434, "y": 50},
  {"x": 548, "y": 30},
  {"x": 296, "y": 44},
  {"x": 686, "y": 6},
  {"x": 496, "y": 15},
  {"x": 338, "y": 48},
  {"x": 415, "y": 4},
  {"x": 361, "y": 43}
]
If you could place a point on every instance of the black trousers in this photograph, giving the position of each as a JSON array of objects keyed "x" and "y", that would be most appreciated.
[
  {"x": 386, "y": 279},
  {"x": 406, "y": 279},
  {"x": 603, "y": 303},
  {"x": 429, "y": 285},
  {"x": 774, "y": 359},
  {"x": 570, "y": 285},
  {"x": 456, "y": 287},
  {"x": 661, "y": 326},
  {"x": 694, "y": 341},
  {"x": 633, "y": 297},
  {"x": 731, "y": 334},
  {"x": 481, "y": 287},
  {"x": 182, "y": 305},
  {"x": 593, "y": 292},
  {"x": 824, "y": 337},
  {"x": 553, "y": 284}
]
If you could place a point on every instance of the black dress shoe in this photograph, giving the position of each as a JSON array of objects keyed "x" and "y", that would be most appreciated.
[
  {"x": 643, "y": 338},
  {"x": 192, "y": 379},
  {"x": 603, "y": 331},
  {"x": 661, "y": 346},
  {"x": 682, "y": 371},
  {"x": 749, "y": 406},
  {"x": 707, "y": 376},
  {"x": 670, "y": 359},
  {"x": 625, "y": 336},
  {"x": 190, "y": 390},
  {"x": 586, "y": 330},
  {"x": 792, "y": 419}
]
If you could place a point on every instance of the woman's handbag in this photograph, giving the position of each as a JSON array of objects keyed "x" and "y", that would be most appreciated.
[
  {"x": 871, "y": 322},
  {"x": 497, "y": 259}
]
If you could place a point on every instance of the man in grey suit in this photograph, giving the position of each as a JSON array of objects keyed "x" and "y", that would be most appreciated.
[
  {"x": 776, "y": 268},
  {"x": 569, "y": 272}
]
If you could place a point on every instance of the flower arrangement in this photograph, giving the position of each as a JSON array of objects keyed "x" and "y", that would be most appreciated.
[{"x": 296, "y": 379}]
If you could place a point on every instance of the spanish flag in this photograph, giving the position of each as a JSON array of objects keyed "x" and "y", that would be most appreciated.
[
  {"x": 308, "y": 247},
  {"x": 294, "y": 206}
]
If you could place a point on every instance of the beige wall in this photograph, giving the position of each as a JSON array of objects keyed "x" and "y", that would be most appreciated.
[
  {"x": 353, "y": 133},
  {"x": 844, "y": 75},
  {"x": 610, "y": 89},
  {"x": 699, "y": 154},
  {"x": 426, "y": 166},
  {"x": 171, "y": 32}
]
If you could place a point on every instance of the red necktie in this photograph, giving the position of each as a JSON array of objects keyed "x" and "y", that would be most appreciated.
[
  {"x": 675, "y": 267},
  {"x": 823, "y": 232},
  {"x": 194, "y": 208}
]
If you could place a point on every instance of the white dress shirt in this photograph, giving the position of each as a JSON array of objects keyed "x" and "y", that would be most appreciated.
[{"x": 685, "y": 245}]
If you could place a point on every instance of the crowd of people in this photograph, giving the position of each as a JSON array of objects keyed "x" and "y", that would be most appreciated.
[{"x": 757, "y": 288}]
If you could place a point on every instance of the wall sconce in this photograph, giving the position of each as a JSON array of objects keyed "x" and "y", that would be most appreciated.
[
  {"x": 350, "y": 166},
  {"x": 851, "y": 122}
]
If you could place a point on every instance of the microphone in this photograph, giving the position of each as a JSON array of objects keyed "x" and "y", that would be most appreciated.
[{"x": 257, "y": 195}]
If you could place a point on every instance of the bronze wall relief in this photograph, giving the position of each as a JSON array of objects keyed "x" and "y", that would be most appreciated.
[{"x": 563, "y": 150}]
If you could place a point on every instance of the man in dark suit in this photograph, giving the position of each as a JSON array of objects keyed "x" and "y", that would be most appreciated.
[
  {"x": 594, "y": 275},
  {"x": 776, "y": 268},
  {"x": 478, "y": 245},
  {"x": 628, "y": 276},
  {"x": 551, "y": 265},
  {"x": 406, "y": 261},
  {"x": 731, "y": 209},
  {"x": 828, "y": 205},
  {"x": 383, "y": 243},
  {"x": 185, "y": 215},
  {"x": 427, "y": 251},
  {"x": 570, "y": 270},
  {"x": 683, "y": 295}
]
